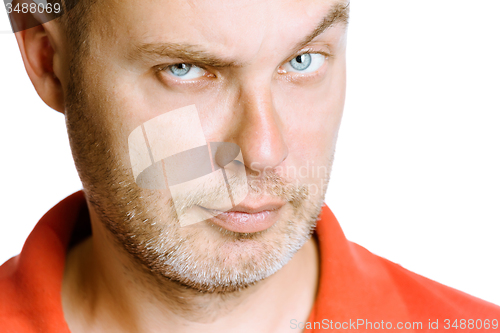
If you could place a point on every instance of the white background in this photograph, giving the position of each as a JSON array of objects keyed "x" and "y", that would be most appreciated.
[{"x": 415, "y": 177}]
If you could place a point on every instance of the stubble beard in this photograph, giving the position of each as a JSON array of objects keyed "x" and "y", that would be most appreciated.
[{"x": 203, "y": 257}]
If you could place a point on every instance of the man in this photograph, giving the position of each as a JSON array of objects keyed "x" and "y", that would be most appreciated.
[{"x": 133, "y": 255}]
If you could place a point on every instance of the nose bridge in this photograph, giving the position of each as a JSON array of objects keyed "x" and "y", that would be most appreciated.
[{"x": 260, "y": 132}]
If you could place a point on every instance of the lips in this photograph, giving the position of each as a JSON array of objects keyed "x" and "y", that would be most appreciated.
[{"x": 248, "y": 217}]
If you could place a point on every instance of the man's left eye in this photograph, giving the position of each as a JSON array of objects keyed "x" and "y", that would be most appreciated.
[
  {"x": 305, "y": 63},
  {"x": 185, "y": 71}
]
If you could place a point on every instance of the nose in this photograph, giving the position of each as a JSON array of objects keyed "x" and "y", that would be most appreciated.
[{"x": 260, "y": 133}]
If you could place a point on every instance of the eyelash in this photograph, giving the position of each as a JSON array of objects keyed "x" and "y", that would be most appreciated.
[
  {"x": 195, "y": 83},
  {"x": 299, "y": 76},
  {"x": 165, "y": 67},
  {"x": 310, "y": 51}
]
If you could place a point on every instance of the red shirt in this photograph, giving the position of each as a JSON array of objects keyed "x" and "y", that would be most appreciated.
[{"x": 358, "y": 290}]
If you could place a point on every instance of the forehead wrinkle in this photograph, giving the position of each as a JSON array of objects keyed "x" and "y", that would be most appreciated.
[{"x": 195, "y": 54}]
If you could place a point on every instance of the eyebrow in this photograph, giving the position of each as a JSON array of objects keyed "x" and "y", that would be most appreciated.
[
  {"x": 193, "y": 54},
  {"x": 338, "y": 14}
]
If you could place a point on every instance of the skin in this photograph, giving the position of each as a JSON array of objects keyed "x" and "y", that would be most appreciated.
[{"x": 219, "y": 281}]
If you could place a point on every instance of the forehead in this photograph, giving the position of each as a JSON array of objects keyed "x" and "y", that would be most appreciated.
[{"x": 238, "y": 27}]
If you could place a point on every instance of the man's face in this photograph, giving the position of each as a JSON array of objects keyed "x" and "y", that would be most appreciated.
[{"x": 257, "y": 80}]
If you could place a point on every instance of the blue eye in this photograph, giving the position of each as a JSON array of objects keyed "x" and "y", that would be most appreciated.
[
  {"x": 180, "y": 69},
  {"x": 301, "y": 62},
  {"x": 305, "y": 63},
  {"x": 185, "y": 71}
]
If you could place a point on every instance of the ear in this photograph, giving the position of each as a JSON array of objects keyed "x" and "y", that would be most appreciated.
[{"x": 43, "y": 63}]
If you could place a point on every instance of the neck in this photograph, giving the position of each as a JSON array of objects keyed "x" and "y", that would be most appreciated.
[{"x": 104, "y": 287}]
